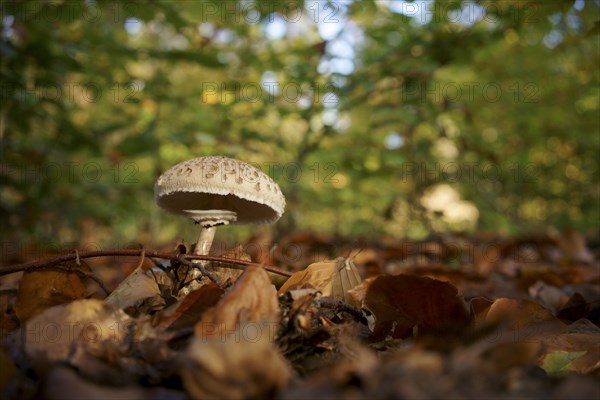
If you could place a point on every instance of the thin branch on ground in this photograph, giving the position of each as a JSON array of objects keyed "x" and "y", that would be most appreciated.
[
  {"x": 202, "y": 269},
  {"x": 240, "y": 264},
  {"x": 82, "y": 274}
]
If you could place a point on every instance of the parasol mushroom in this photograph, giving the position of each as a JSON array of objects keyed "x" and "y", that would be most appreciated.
[{"x": 218, "y": 190}]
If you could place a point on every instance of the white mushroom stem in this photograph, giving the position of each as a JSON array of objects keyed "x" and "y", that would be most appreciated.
[
  {"x": 209, "y": 219},
  {"x": 205, "y": 240}
]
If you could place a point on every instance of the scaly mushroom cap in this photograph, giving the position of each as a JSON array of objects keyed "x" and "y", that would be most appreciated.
[{"x": 220, "y": 183}]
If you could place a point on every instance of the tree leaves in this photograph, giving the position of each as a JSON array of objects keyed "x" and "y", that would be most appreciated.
[{"x": 405, "y": 303}]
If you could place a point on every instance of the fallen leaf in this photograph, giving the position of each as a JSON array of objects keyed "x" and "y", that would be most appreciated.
[
  {"x": 228, "y": 276},
  {"x": 480, "y": 306},
  {"x": 401, "y": 303},
  {"x": 558, "y": 362},
  {"x": 39, "y": 290},
  {"x": 333, "y": 278},
  {"x": 252, "y": 299},
  {"x": 548, "y": 296},
  {"x": 188, "y": 311},
  {"x": 51, "y": 336},
  {"x": 579, "y": 306},
  {"x": 232, "y": 354},
  {"x": 138, "y": 293},
  {"x": 242, "y": 365},
  {"x": 576, "y": 352},
  {"x": 519, "y": 313},
  {"x": 583, "y": 326}
]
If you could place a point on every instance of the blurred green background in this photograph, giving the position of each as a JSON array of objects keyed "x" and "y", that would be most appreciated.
[{"x": 377, "y": 118}]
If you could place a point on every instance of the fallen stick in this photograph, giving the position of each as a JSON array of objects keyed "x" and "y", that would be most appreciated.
[{"x": 133, "y": 253}]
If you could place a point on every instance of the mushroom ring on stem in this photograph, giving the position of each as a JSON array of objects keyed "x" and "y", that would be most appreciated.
[{"x": 218, "y": 190}]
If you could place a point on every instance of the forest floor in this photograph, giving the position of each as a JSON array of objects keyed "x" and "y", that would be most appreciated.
[{"x": 450, "y": 317}]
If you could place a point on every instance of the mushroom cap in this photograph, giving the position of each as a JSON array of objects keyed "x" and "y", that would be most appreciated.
[{"x": 220, "y": 183}]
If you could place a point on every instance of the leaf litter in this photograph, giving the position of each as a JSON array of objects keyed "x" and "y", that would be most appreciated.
[{"x": 391, "y": 322}]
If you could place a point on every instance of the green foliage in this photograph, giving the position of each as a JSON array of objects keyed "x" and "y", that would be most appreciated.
[{"x": 462, "y": 115}]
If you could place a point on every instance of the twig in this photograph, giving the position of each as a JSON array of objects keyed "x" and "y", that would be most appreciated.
[
  {"x": 81, "y": 273},
  {"x": 133, "y": 253},
  {"x": 142, "y": 258},
  {"x": 339, "y": 305},
  {"x": 204, "y": 271}
]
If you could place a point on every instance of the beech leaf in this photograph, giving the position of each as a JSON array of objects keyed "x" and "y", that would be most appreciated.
[
  {"x": 333, "y": 278},
  {"x": 39, "y": 290},
  {"x": 558, "y": 362},
  {"x": 402, "y": 302},
  {"x": 138, "y": 291},
  {"x": 251, "y": 299}
]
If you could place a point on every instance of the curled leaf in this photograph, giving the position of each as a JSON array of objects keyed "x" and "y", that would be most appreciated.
[
  {"x": 139, "y": 292},
  {"x": 251, "y": 299},
  {"x": 232, "y": 354},
  {"x": 333, "y": 278},
  {"x": 243, "y": 365}
]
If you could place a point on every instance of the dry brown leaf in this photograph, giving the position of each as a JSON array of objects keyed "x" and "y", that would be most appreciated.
[
  {"x": 251, "y": 299},
  {"x": 548, "y": 296},
  {"x": 480, "y": 306},
  {"x": 231, "y": 274},
  {"x": 51, "y": 336},
  {"x": 39, "y": 290},
  {"x": 188, "y": 311},
  {"x": 333, "y": 278},
  {"x": 359, "y": 292},
  {"x": 232, "y": 355},
  {"x": 402, "y": 302},
  {"x": 139, "y": 292},
  {"x": 519, "y": 313},
  {"x": 586, "y": 344},
  {"x": 243, "y": 365}
]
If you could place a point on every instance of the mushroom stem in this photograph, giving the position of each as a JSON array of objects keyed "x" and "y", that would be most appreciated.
[
  {"x": 205, "y": 240},
  {"x": 209, "y": 219},
  {"x": 203, "y": 245}
]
